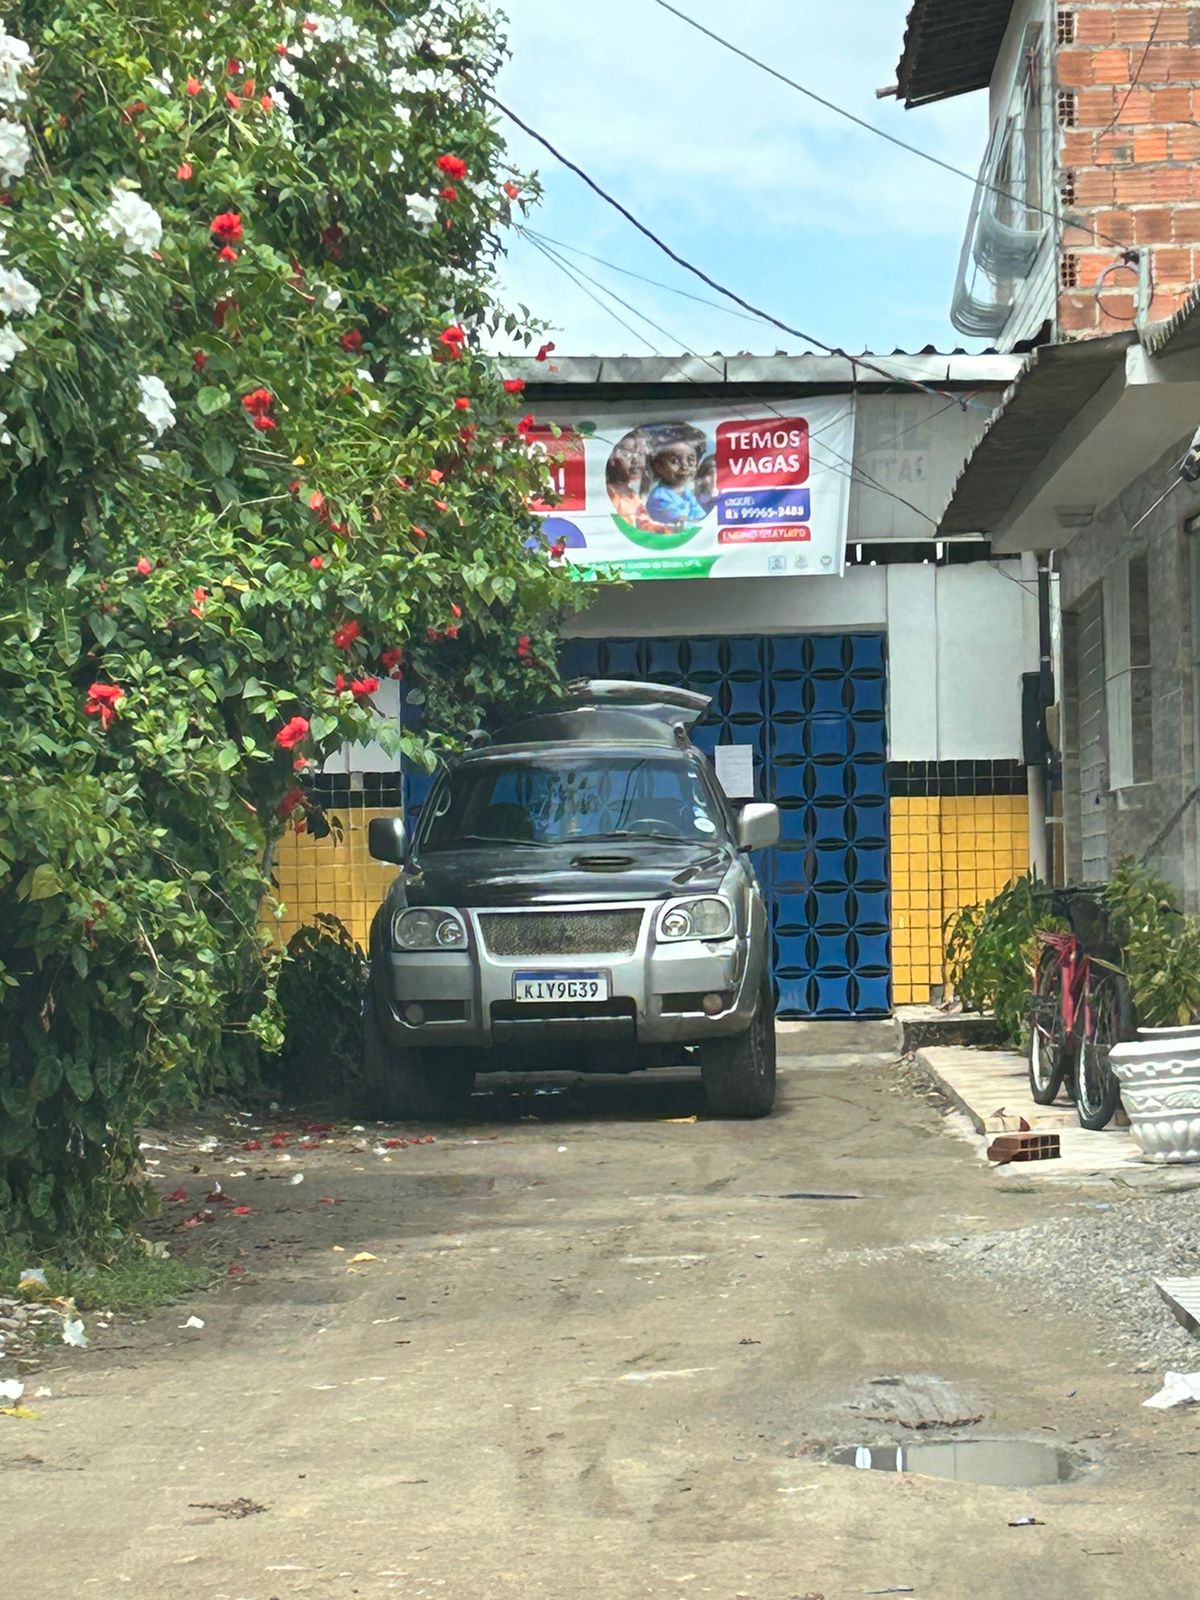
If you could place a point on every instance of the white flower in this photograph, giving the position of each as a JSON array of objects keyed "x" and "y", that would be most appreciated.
[
  {"x": 421, "y": 210},
  {"x": 10, "y": 348},
  {"x": 16, "y": 58},
  {"x": 66, "y": 223},
  {"x": 331, "y": 299},
  {"x": 134, "y": 222},
  {"x": 163, "y": 82},
  {"x": 155, "y": 403},
  {"x": 18, "y": 297},
  {"x": 5, "y": 436},
  {"x": 115, "y": 304},
  {"x": 403, "y": 116},
  {"x": 363, "y": 375},
  {"x": 15, "y": 153},
  {"x": 440, "y": 47}
]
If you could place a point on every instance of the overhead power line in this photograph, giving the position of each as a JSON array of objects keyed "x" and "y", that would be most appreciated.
[
  {"x": 882, "y": 133},
  {"x": 698, "y": 272},
  {"x": 856, "y": 472}
]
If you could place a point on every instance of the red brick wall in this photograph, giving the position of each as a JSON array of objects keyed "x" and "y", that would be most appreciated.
[{"x": 1129, "y": 119}]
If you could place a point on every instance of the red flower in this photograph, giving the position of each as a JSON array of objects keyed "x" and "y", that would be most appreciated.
[
  {"x": 266, "y": 102},
  {"x": 316, "y": 562},
  {"x": 448, "y": 193},
  {"x": 176, "y": 1196},
  {"x": 227, "y": 253},
  {"x": 512, "y": 190},
  {"x": 248, "y": 88},
  {"x": 545, "y": 351},
  {"x": 462, "y": 403},
  {"x": 193, "y": 87},
  {"x": 391, "y": 659},
  {"x": 251, "y": 1144},
  {"x": 331, "y": 238},
  {"x": 432, "y": 635},
  {"x": 183, "y": 171},
  {"x": 227, "y": 227},
  {"x": 524, "y": 647},
  {"x": 558, "y": 549},
  {"x": 222, "y": 309},
  {"x": 418, "y": 533},
  {"x": 525, "y": 425},
  {"x": 316, "y": 502},
  {"x": 452, "y": 632},
  {"x": 452, "y": 166},
  {"x": 451, "y": 340},
  {"x": 455, "y": 609},
  {"x": 232, "y": 67},
  {"x": 199, "y": 360},
  {"x": 278, "y": 1140},
  {"x": 514, "y": 385},
  {"x": 265, "y": 424},
  {"x": 341, "y": 683},
  {"x": 294, "y": 486},
  {"x": 144, "y": 566},
  {"x": 292, "y": 733},
  {"x": 290, "y": 801},
  {"x": 309, "y": 26},
  {"x": 258, "y": 402},
  {"x": 134, "y": 110},
  {"x": 102, "y": 702},
  {"x": 300, "y": 763},
  {"x": 241, "y": 1211},
  {"x": 281, "y": 49},
  {"x": 364, "y": 688},
  {"x": 352, "y": 341},
  {"x": 468, "y": 433},
  {"x": 346, "y": 633},
  {"x": 441, "y": 505},
  {"x": 232, "y": 100}
]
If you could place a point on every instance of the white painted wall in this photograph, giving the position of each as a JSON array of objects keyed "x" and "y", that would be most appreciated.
[
  {"x": 913, "y": 446},
  {"x": 683, "y": 607}
]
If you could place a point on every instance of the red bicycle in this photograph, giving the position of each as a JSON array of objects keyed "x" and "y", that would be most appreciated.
[{"x": 1080, "y": 1007}]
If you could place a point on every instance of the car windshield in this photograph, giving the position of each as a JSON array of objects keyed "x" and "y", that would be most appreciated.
[{"x": 594, "y": 798}]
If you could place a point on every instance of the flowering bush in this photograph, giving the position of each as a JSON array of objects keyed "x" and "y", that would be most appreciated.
[{"x": 239, "y": 317}]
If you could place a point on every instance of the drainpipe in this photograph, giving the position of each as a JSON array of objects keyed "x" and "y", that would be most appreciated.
[{"x": 1037, "y": 767}]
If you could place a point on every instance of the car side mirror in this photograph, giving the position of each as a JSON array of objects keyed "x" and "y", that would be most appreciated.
[
  {"x": 387, "y": 839},
  {"x": 757, "y": 826}
]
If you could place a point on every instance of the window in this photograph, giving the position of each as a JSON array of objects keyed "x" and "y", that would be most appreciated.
[{"x": 1128, "y": 672}]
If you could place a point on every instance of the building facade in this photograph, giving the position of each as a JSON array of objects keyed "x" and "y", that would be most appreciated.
[
  {"x": 1092, "y": 166},
  {"x": 879, "y": 707}
]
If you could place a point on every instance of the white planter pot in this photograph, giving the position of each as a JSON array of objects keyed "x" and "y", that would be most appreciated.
[{"x": 1160, "y": 1089}]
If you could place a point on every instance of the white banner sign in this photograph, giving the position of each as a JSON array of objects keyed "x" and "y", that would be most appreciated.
[{"x": 667, "y": 490}]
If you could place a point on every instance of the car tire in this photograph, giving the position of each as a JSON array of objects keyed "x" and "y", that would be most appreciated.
[
  {"x": 739, "y": 1072},
  {"x": 413, "y": 1084}
]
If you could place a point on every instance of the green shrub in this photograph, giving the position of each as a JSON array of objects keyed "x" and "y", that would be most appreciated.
[
  {"x": 1160, "y": 947},
  {"x": 321, "y": 988},
  {"x": 991, "y": 950}
]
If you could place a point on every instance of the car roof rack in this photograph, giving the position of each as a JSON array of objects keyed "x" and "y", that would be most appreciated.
[{"x": 662, "y": 701}]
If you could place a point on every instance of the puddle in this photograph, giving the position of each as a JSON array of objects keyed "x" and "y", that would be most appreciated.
[{"x": 1004, "y": 1463}]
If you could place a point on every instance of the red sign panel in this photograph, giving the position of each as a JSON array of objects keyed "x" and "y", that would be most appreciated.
[
  {"x": 767, "y": 454},
  {"x": 565, "y": 464}
]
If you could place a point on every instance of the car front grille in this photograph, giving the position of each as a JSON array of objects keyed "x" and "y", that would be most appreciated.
[{"x": 560, "y": 933}]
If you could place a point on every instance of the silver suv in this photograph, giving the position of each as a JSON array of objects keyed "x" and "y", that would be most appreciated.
[{"x": 578, "y": 895}]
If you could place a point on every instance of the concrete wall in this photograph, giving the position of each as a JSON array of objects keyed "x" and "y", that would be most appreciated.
[{"x": 1157, "y": 818}]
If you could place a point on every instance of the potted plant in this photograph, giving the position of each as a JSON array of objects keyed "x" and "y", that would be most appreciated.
[{"x": 1160, "y": 1073}]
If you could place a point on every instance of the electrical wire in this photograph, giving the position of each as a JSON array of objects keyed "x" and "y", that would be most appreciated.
[
  {"x": 698, "y": 272},
  {"x": 579, "y": 284},
  {"x": 856, "y": 472},
  {"x": 1108, "y": 127},
  {"x": 881, "y": 133}
]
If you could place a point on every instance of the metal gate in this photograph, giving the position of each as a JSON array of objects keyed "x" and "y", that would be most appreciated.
[{"x": 814, "y": 709}]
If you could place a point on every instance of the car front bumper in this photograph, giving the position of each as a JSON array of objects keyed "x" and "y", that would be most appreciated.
[{"x": 659, "y": 993}]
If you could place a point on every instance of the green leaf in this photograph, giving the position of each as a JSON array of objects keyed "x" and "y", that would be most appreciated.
[
  {"x": 228, "y": 757},
  {"x": 79, "y": 1077},
  {"x": 219, "y": 454},
  {"x": 322, "y": 726},
  {"x": 40, "y": 884},
  {"x": 211, "y": 399}
]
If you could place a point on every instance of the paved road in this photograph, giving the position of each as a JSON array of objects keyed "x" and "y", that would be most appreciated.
[{"x": 602, "y": 1352}]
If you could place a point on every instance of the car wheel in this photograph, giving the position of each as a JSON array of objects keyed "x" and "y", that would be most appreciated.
[
  {"x": 739, "y": 1072},
  {"x": 413, "y": 1084}
]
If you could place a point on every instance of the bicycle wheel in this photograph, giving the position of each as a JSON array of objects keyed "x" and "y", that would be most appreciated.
[
  {"x": 1049, "y": 1044},
  {"x": 1107, "y": 1019}
]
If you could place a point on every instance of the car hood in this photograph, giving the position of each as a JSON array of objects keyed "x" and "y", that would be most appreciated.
[{"x": 516, "y": 875}]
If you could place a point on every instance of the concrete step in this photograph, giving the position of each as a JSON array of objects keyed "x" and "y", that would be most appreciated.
[{"x": 918, "y": 1026}]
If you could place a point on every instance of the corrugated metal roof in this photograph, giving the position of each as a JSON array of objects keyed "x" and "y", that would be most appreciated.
[
  {"x": 812, "y": 371},
  {"x": 1058, "y": 381},
  {"x": 1178, "y": 334},
  {"x": 950, "y": 47}
]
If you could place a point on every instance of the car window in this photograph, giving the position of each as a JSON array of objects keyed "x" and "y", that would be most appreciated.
[{"x": 593, "y": 798}]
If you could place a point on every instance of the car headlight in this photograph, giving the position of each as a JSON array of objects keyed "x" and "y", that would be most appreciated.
[
  {"x": 706, "y": 917},
  {"x": 429, "y": 928}
]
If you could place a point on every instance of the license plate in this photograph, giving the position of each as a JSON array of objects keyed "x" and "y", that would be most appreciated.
[{"x": 550, "y": 987}]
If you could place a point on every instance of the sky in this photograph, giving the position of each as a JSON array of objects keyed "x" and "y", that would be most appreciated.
[{"x": 821, "y": 223}]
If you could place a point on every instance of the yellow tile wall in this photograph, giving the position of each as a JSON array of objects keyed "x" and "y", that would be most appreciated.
[
  {"x": 948, "y": 851},
  {"x": 331, "y": 875}
]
